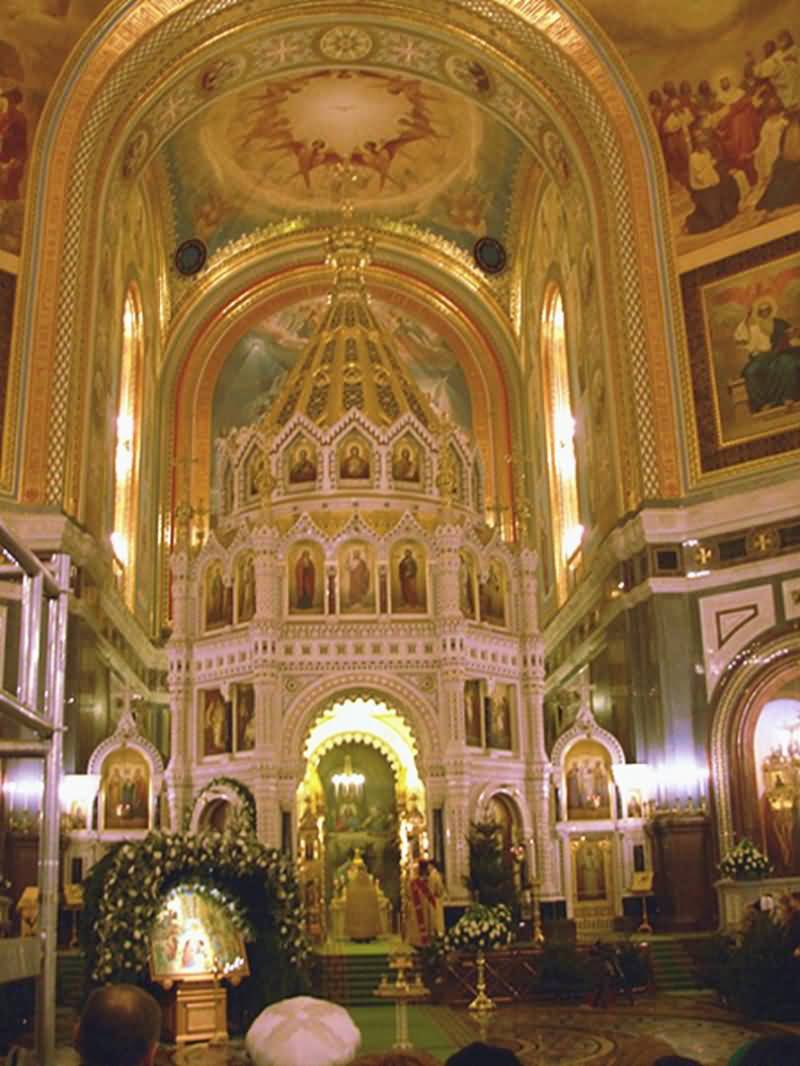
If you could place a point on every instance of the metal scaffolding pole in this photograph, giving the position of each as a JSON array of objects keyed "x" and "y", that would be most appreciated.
[
  {"x": 55, "y": 665},
  {"x": 42, "y": 587}
]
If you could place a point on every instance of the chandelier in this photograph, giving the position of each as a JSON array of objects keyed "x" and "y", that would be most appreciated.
[{"x": 348, "y": 782}]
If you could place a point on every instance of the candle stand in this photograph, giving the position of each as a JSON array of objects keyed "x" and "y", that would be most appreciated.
[{"x": 402, "y": 992}]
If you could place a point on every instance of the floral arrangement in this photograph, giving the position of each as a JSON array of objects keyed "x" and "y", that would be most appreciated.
[
  {"x": 744, "y": 859},
  {"x": 480, "y": 928},
  {"x": 126, "y": 890}
]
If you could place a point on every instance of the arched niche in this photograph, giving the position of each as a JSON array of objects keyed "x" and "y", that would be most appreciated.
[
  {"x": 131, "y": 776},
  {"x": 756, "y": 698},
  {"x": 222, "y": 804},
  {"x": 583, "y": 758}
]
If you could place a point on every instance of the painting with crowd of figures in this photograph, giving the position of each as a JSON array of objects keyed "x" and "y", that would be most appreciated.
[
  {"x": 36, "y": 36},
  {"x": 193, "y": 935},
  {"x": 722, "y": 82}
]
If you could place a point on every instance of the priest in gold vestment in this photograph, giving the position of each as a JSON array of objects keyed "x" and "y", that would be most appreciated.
[{"x": 361, "y": 910}]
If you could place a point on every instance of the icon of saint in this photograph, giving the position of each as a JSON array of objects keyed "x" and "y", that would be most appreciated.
[
  {"x": 303, "y": 469},
  {"x": 354, "y": 465},
  {"x": 305, "y": 577}
]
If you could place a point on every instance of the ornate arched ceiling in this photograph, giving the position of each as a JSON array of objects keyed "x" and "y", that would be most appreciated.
[
  {"x": 165, "y": 95},
  {"x": 402, "y": 148}
]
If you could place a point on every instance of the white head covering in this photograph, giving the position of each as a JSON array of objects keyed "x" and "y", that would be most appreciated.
[{"x": 302, "y": 1031}]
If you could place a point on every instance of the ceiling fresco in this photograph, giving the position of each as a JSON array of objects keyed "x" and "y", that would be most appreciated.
[
  {"x": 398, "y": 147},
  {"x": 723, "y": 85}
]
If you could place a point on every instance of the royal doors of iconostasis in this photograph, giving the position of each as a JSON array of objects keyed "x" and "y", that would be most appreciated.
[{"x": 361, "y": 811}]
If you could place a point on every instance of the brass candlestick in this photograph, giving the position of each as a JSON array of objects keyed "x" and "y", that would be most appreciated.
[
  {"x": 401, "y": 993},
  {"x": 481, "y": 1002}
]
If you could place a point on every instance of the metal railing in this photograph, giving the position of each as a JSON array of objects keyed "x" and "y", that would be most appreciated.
[{"x": 44, "y": 605}]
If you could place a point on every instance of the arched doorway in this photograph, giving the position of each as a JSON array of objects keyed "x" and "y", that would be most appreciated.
[
  {"x": 361, "y": 800},
  {"x": 755, "y": 750}
]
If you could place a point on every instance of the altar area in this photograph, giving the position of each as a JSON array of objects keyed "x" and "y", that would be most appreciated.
[{"x": 361, "y": 828}]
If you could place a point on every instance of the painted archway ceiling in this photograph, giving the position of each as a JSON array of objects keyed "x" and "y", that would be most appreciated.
[{"x": 411, "y": 146}]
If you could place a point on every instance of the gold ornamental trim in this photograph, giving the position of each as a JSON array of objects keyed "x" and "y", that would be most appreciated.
[{"x": 58, "y": 149}]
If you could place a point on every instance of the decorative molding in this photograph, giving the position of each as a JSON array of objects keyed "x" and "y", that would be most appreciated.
[{"x": 729, "y": 621}]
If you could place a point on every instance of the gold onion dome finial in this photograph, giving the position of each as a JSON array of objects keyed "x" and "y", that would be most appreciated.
[{"x": 351, "y": 363}]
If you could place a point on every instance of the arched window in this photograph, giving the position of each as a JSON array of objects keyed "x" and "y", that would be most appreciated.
[
  {"x": 562, "y": 465},
  {"x": 126, "y": 453}
]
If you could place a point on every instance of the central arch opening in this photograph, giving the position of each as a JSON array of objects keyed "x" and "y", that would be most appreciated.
[{"x": 362, "y": 819}]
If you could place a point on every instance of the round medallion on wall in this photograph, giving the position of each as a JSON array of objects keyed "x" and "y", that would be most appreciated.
[
  {"x": 191, "y": 256},
  {"x": 469, "y": 74},
  {"x": 490, "y": 255},
  {"x": 346, "y": 44}
]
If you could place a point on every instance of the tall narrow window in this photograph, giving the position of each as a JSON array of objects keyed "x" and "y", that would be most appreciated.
[
  {"x": 126, "y": 455},
  {"x": 562, "y": 465}
]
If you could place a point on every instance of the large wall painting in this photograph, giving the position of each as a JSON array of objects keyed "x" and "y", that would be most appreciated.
[
  {"x": 36, "y": 36},
  {"x": 296, "y": 144},
  {"x": 743, "y": 328},
  {"x": 723, "y": 85},
  {"x": 8, "y": 288}
]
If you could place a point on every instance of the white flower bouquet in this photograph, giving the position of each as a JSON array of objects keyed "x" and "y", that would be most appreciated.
[
  {"x": 744, "y": 861},
  {"x": 480, "y": 928}
]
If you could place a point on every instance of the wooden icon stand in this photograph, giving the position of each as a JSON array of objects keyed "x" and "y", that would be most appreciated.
[{"x": 195, "y": 1008}]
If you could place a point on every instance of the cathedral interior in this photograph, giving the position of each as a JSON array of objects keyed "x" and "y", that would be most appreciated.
[{"x": 399, "y": 430}]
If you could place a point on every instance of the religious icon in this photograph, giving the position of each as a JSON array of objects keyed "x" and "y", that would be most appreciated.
[
  {"x": 356, "y": 588},
  {"x": 218, "y": 601},
  {"x": 587, "y": 770},
  {"x": 302, "y": 465},
  {"x": 590, "y": 871},
  {"x": 245, "y": 589},
  {"x": 216, "y": 723},
  {"x": 405, "y": 462},
  {"x": 466, "y": 585},
  {"x": 245, "y": 718},
  {"x": 126, "y": 790},
  {"x": 492, "y": 596},
  {"x": 353, "y": 462},
  {"x": 409, "y": 591},
  {"x": 193, "y": 934},
  {"x": 306, "y": 588},
  {"x": 498, "y": 719},
  {"x": 472, "y": 713},
  {"x": 255, "y": 475}
]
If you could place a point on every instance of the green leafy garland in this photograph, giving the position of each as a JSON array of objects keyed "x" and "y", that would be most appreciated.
[{"x": 125, "y": 891}]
